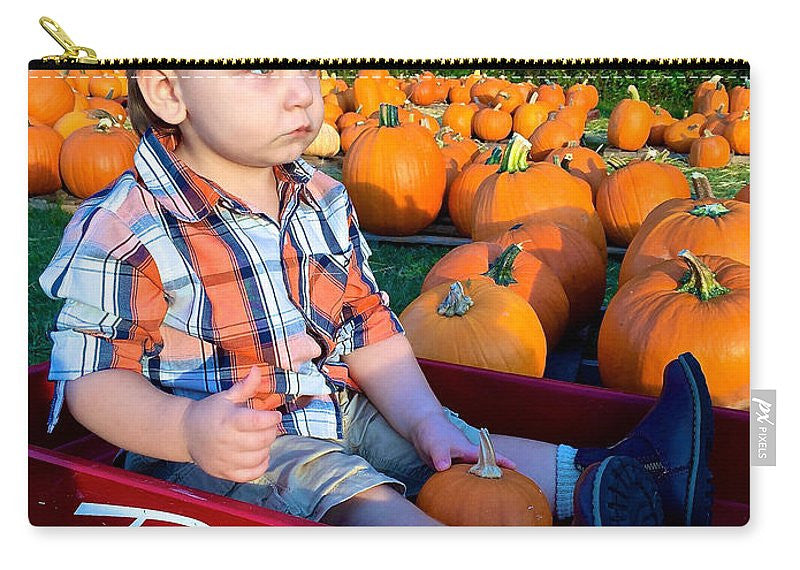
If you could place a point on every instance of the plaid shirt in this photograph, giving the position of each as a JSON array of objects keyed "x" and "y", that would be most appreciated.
[{"x": 168, "y": 276}]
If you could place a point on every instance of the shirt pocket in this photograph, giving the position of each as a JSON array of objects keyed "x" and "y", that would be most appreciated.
[{"x": 327, "y": 280}]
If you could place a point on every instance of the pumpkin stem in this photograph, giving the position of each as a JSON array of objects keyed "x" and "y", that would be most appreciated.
[
  {"x": 685, "y": 113},
  {"x": 439, "y": 135},
  {"x": 388, "y": 116},
  {"x": 486, "y": 467},
  {"x": 494, "y": 158},
  {"x": 701, "y": 185},
  {"x": 514, "y": 155},
  {"x": 456, "y": 303},
  {"x": 707, "y": 133},
  {"x": 110, "y": 94},
  {"x": 700, "y": 281},
  {"x": 497, "y": 107},
  {"x": 715, "y": 79},
  {"x": 104, "y": 124},
  {"x": 572, "y": 144},
  {"x": 745, "y": 115},
  {"x": 565, "y": 161},
  {"x": 634, "y": 92},
  {"x": 534, "y": 96},
  {"x": 500, "y": 270},
  {"x": 359, "y": 109},
  {"x": 585, "y": 81}
]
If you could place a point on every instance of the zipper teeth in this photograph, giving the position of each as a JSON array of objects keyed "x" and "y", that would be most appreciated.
[{"x": 394, "y": 63}]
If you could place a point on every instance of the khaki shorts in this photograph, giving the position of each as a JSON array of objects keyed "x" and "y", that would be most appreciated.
[{"x": 308, "y": 476}]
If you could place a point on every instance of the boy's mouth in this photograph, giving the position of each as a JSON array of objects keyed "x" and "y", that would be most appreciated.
[{"x": 301, "y": 130}]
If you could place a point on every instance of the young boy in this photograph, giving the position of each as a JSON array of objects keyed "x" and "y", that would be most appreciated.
[{"x": 221, "y": 324}]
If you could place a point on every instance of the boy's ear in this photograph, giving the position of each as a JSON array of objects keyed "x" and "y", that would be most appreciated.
[{"x": 162, "y": 94}]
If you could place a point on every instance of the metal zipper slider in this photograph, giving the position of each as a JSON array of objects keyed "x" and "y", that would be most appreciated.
[{"x": 72, "y": 52}]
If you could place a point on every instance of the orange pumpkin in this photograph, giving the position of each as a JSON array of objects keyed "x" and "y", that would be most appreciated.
[
  {"x": 484, "y": 494},
  {"x": 582, "y": 95},
  {"x": 351, "y": 133},
  {"x": 79, "y": 79},
  {"x": 93, "y": 157},
  {"x": 667, "y": 311},
  {"x": 552, "y": 93},
  {"x": 701, "y": 91},
  {"x": 550, "y": 135},
  {"x": 740, "y": 98},
  {"x": 49, "y": 96},
  {"x": 105, "y": 85},
  {"x": 486, "y": 89},
  {"x": 492, "y": 123},
  {"x": 519, "y": 191},
  {"x": 44, "y": 146},
  {"x": 630, "y": 122},
  {"x": 627, "y": 196},
  {"x": 713, "y": 100},
  {"x": 458, "y": 117},
  {"x": 575, "y": 116},
  {"x": 115, "y": 109},
  {"x": 530, "y": 115},
  {"x": 74, "y": 120},
  {"x": 458, "y": 94},
  {"x": 574, "y": 259},
  {"x": 743, "y": 195},
  {"x": 395, "y": 176},
  {"x": 679, "y": 136},
  {"x": 346, "y": 119},
  {"x": 661, "y": 120},
  {"x": 511, "y": 267},
  {"x": 710, "y": 151},
  {"x": 508, "y": 99},
  {"x": 465, "y": 185},
  {"x": 581, "y": 162},
  {"x": 476, "y": 323},
  {"x": 737, "y": 133},
  {"x": 706, "y": 225}
]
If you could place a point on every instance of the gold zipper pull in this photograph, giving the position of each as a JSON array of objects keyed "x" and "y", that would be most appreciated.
[{"x": 72, "y": 52}]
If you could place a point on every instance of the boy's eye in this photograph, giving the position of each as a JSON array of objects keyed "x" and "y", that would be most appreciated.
[{"x": 261, "y": 71}]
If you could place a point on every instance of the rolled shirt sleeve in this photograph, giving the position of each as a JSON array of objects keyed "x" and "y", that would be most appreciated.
[
  {"x": 366, "y": 316},
  {"x": 113, "y": 301}
]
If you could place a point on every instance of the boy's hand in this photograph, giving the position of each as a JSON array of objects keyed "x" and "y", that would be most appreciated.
[
  {"x": 227, "y": 439},
  {"x": 439, "y": 442}
]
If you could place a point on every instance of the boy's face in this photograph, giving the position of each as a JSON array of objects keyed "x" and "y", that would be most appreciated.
[{"x": 252, "y": 117}]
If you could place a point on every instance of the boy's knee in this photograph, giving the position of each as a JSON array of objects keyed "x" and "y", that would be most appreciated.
[{"x": 381, "y": 505}]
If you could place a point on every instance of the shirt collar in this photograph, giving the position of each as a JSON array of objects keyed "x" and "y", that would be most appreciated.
[{"x": 191, "y": 197}]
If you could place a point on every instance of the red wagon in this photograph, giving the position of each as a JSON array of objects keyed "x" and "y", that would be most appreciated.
[{"x": 72, "y": 481}]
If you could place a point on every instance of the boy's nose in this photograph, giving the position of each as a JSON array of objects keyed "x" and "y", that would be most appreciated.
[{"x": 299, "y": 88}]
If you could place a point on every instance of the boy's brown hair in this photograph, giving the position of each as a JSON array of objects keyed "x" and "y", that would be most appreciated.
[{"x": 142, "y": 117}]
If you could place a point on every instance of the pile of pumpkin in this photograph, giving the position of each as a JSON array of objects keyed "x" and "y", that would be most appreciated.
[
  {"x": 719, "y": 124},
  {"x": 79, "y": 137}
]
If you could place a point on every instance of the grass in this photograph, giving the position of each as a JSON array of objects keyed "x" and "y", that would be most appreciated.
[{"x": 45, "y": 227}]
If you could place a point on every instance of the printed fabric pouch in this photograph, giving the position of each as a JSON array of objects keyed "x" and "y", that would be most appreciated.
[{"x": 564, "y": 244}]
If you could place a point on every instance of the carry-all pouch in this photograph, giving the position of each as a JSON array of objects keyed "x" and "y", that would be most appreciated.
[{"x": 388, "y": 292}]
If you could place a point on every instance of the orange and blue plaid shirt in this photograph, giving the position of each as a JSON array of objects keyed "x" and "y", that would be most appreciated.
[{"x": 165, "y": 274}]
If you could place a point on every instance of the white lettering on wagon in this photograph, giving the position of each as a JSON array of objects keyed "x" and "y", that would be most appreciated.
[{"x": 139, "y": 515}]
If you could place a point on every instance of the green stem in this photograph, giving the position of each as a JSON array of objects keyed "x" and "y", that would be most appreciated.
[
  {"x": 494, "y": 158},
  {"x": 487, "y": 461},
  {"x": 501, "y": 269},
  {"x": 634, "y": 92},
  {"x": 456, "y": 303},
  {"x": 700, "y": 281},
  {"x": 387, "y": 116},
  {"x": 514, "y": 156}
]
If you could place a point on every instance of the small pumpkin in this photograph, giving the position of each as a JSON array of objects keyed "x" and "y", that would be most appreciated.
[
  {"x": 492, "y": 123},
  {"x": 476, "y": 323},
  {"x": 581, "y": 162},
  {"x": 484, "y": 494},
  {"x": 629, "y": 194},
  {"x": 93, "y": 157},
  {"x": 458, "y": 94},
  {"x": 105, "y": 85},
  {"x": 669, "y": 310},
  {"x": 44, "y": 146},
  {"x": 49, "y": 96},
  {"x": 74, "y": 120},
  {"x": 550, "y": 135},
  {"x": 530, "y": 115},
  {"x": 326, "y": 143},
  {"x": 679, "y": 136},
  {"x": 464, "y": 186},
  {"x": 350, "y": 134},
  {"x": 661, "y": 120},
  {"x": 714, "y": 99},
  {"x": 740, "y": 98},
  {"x": 486, "y": 89},
  {"x": 702, "y": 89},
  {"x": 710, "y": 151},
  {"x": 582, "y": 95},
  {"x": 458, "y": 116},
  {"x": 508, "y": 99},
  {"x": 551, "y": 93},
  {"x": 737, "y": 133},
  {"x": 115, "y": 109},
  {"x": 630, "y": 122}
]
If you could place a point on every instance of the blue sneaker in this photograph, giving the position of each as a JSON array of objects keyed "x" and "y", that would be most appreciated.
[
  {"x": 673, "y": 444},
  {"x": 616, "y": 492}
]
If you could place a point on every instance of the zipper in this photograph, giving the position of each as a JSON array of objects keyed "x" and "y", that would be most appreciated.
[{"x": 72, "y": 58}]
